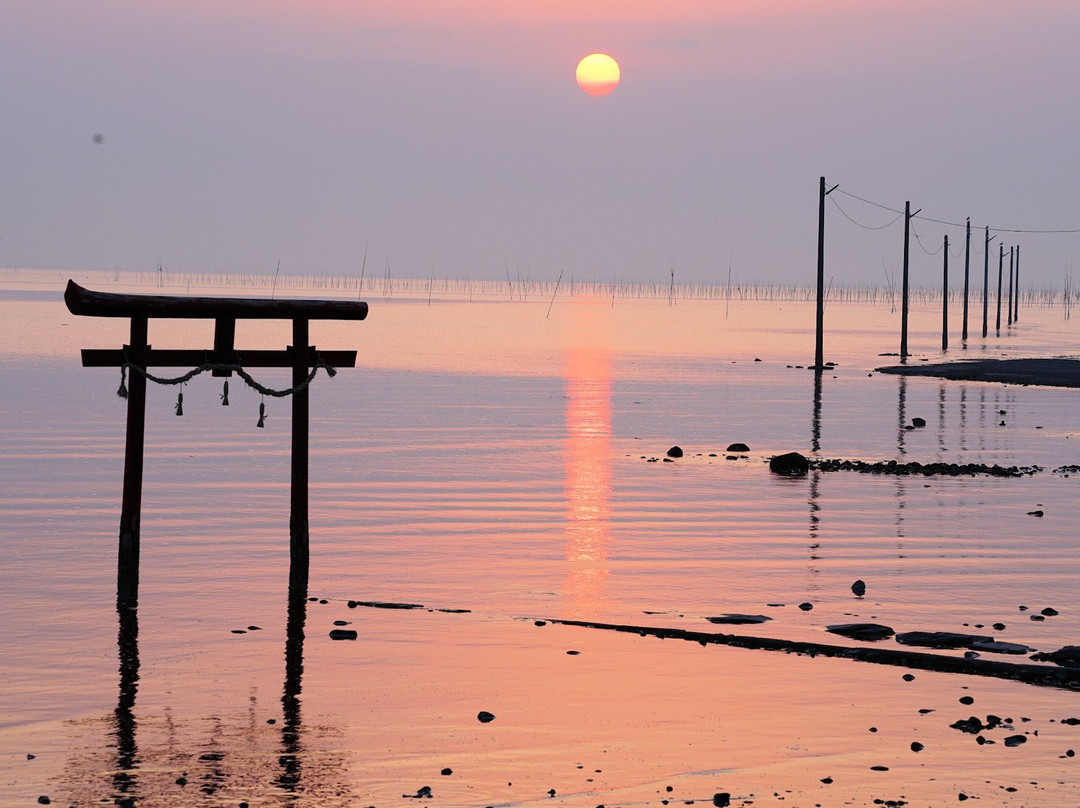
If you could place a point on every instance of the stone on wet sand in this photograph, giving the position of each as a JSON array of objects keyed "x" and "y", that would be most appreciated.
[
  {"x": 941, "y": 639},
  {"x": 675, "y": 451},
  {"x": 738, "y": 619},
  {"x": 791, "y": 464},
  {"x": 868, "y": 632}
]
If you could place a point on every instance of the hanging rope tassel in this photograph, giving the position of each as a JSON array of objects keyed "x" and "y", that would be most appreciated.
[
  {"x": 262, "y": 416},
  {"x": 122, "y": 392},
  {"x": 180, "y": 403},
  {"x": 225, "y": 395}
]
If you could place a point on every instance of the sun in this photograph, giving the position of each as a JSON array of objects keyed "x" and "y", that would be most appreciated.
[{"x": 598, "y": 74}]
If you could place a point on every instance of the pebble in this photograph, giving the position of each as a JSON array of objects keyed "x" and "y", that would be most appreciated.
[
  {"x": 484, "y": 717},
  {"x": 916, "y": 746},
  {"x": 675, "y": 451},
  {"x": 446, "y": 772},
  {"x": 721, "y": 799},
  {"x": 738, "y": 447},
  {"x": 859, "y": 588},
  {"x": 1015, "y": 740},
  {"x": 806, "y": 606},
  {"x": 43, "y": 800},
  {"x": 908, "y": 677},
  {"x": 342, "y": 634},
  {"x": 967, "y": 700}
]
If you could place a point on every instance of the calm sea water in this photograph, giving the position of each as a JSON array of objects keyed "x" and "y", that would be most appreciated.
[{"x": 494, "y": 455}]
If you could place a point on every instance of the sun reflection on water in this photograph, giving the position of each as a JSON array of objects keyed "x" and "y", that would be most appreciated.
[{"x": 588, "y": 475}]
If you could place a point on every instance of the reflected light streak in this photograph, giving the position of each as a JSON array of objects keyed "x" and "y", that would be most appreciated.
[{"x": 588, "y": 476}]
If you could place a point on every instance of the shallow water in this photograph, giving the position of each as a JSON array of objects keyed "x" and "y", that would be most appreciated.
[{"x": 494, "y": 456}]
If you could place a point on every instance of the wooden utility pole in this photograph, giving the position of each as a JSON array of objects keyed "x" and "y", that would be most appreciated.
[
  {"x": 819, "y": 340},
  {"x": 945, "y": 297},
  {"x": 1011, "y": 265},
  {"x": 904, "y": 302},
  {"x": 1016, "y": 314},
  {"x": 1001, "y": 264},
  {"x": 967, "y": 266},
  {"x": 986, "y": 279}
]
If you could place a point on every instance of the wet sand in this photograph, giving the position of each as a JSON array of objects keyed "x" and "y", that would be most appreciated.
[{"x": 1053, "y": 372}]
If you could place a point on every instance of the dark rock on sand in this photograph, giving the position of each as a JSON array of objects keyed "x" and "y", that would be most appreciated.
[
  {"x": 1035, "y": 513},
  {"x": 859, "y": 588},
  {"x": 916, "y": 746},
  {"x": 446, "y": 772},
  {"x": 867, "y": 632},
  {"x": 1015, "y": 740},
  {"x": 967, "y": 700},
  {"x": 738, "y": 619},
  {"x": 738, "y": 447},
  {"x": 791, "y": 464},
  {"x": 806, "y": 607},
  {"x": 422, "y": 793},
  {"x": 1067, "y": 657},
  {"x": 918, "y": 422},
  {"x": 1050, "y": 611},
  {"x": 921, "y": 469},
  {"x": 940, "y": 639},
  {"x": 342, "y": 634},
  {"x": 484, "y": 717},
  {"x": 999, "y": 647},
  {"x": 43, "y": 800},
  {"x": 722, "y": 799},
  {"x": 675, "y": 451}
]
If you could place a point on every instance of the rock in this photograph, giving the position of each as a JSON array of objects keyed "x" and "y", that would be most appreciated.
[
  {"x": 341, "y": 622},
  {"x": 1050, "y": 611},
  {"x": 738, "y": 619},
  {"x": 806, "y": 607},
  {"x": 916, "y": 746},
  {"x": 867, "y": 632},
  {"x": 999, "y": 626},
  {"x": 1067, "y": 657},
  {"x": 43, "y": 800},
  {"x": 722, "y": 799},
  {"x": 999, "y": 647},
  {"x": 1035, "y": 513},
  {"x": 908, "y": 677},
  {"x": 484, "y": 717},
  {"x": 940, "y": 639},
  {"x": 859, "y": 588},
  {"x": 1015, "y": 740},
  {"x": 446, "y": 772},
  {"x": 738, "y": 447},
  {"x": 342, "y": 634},
  {"x": 791, "y": 464},
  {"x": 675, "y": 451},
  {"x": 967, "y": 700},
  {"x": 918, "y": 422},
  {"x": 422, "y": 793}
]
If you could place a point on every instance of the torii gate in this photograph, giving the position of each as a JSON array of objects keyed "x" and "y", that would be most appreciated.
[{"x": 137, "y": 355}]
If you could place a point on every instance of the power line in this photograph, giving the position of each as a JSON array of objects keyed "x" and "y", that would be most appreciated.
[
  {"x": 964, "y": 225},
  {"x": 860, "y": 224}
]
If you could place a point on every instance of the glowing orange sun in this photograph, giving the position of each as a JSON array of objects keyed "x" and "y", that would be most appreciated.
[{"x": 598, "y": 74}]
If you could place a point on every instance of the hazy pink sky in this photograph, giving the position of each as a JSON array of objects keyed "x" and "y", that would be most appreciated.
[{"x": 450, "y": 137}]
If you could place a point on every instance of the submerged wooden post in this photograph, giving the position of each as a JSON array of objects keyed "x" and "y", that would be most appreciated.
[
  {"x": 127, "y": 566},
  {"x": 298, "y": 502}
]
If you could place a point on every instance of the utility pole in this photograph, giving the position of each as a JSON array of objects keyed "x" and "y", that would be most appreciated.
[
  {"x": 986, "y": 278},
  {"x": 1011, "y": 259},
  {"x": 967, "y": 265},
  {"x": 945, "y": 298},
  {"x": 819, "y": 341},
  {"x": 904, "y": 303},
  {"x": 1001, "y": 264},
  {"x": 1016, "y": 314}
]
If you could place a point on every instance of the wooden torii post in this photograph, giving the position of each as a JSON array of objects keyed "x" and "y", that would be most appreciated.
[{"x": 224, "y": 311}]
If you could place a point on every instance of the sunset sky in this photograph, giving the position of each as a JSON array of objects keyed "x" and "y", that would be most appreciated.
[{"x": 451, "y": 138}]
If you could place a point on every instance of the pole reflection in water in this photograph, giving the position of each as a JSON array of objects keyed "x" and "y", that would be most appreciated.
[
  {"x": 901, "y": 431},
  {"x": 588, "y": 476},
  {"x": 291, "y": 729},
  {"x": 127, "y": 751},
  {"x": 815, "y": 475}
]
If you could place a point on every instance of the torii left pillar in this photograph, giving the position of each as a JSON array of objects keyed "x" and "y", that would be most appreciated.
[{"x": 127, "y": 569}]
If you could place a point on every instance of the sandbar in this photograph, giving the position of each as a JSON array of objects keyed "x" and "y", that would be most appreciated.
[{"x": 1053, "y": 372}]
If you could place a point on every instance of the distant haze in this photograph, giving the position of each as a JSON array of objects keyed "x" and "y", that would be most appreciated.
[{"x": 450, "y": 138}]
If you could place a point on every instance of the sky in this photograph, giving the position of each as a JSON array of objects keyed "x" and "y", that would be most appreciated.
[{"x": 450, "y": 138}]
